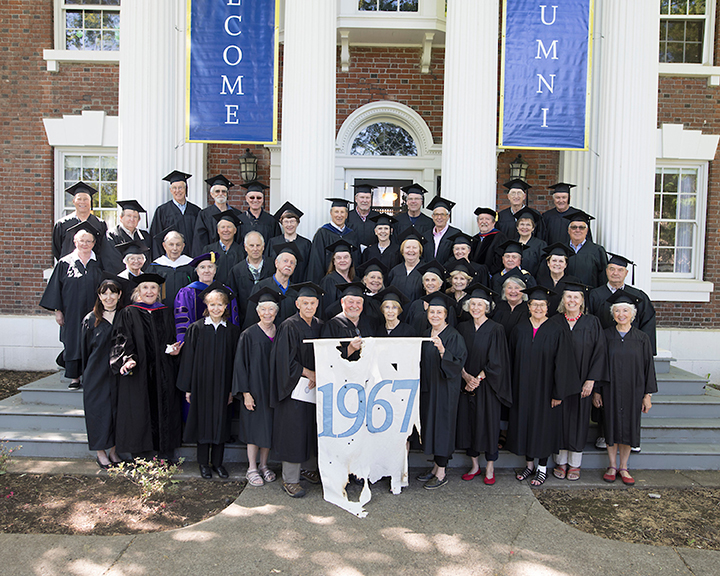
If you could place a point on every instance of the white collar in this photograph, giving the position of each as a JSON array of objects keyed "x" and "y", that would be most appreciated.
[
  {"x": 165, "y": 261},
  {"x": 209, "y": 322}
]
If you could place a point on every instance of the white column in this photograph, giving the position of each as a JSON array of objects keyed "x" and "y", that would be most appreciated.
[
  {"x": 470, "y": 108},
  {"x": 617, "y": 176},
  {"x": 151, "y": 140},
  {"x": 308, "y": 110}
]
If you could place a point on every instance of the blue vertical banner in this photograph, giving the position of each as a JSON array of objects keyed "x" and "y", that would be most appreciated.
[
  {"x": 545, "y": 74},
  {"x": 232, "y": 71}
]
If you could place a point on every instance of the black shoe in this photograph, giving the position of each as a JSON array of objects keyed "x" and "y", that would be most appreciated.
[
  {"x": 205, "y": 472},
  {"x": 426, "y": 476},
  {"x": 103, "y": 466},
  {"x": 74, "y": 386},
  {"x": 220, "y": 471}
]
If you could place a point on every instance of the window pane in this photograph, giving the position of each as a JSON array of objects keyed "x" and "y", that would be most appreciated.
[
  {"x": 696, "y": 7},
  {"x": 683, "y": 260},
  {"x": 670, "y": 181},
  {"x": 111, "y": 20},
  {"x": 384, "y": 139},
  {"x": 389, "y": 5},
  {"x": 676, "y": 30},
  {"x": 108, "y": 194},
  {"x": 693, "y": 54},
  {"x": 73, "y": 40},
  {"x": 92, "y": 40},
  {"x": 368, "y": 5},
  {"x": 667, "y": 234},
  {"x": 666, "y": 260},
  {"x": 678, "y": 7},
  {"x": 92, "y": 19},
  {"x": 664, "y": 6},
  {"x": 656, "y": 212},
  {"x": 669, "y": 207},
  {"x": 408, "y": 5},
  {"x": 110, "y": 40},
  {"x": 684, "y": 235},
  {"x": 688, "y": 182},
  {"x": 686, "y": 207},
  {"x": 73, "y": 19},
  {"x": 694, "y": 30}
]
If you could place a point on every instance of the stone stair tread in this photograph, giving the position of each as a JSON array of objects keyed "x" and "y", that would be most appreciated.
[
  {"x": 681, "y": 423},
  {"x": 676, "y": 373},
  {"x": 685, "y": 399},
  {"x": 19, "y": 435},
  {"x": 15, "y": 405}
]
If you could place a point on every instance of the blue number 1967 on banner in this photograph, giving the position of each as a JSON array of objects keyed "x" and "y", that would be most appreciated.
[{"x": 364, "y": 407}]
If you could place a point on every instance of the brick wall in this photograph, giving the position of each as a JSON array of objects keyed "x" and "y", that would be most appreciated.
[{"x": 28, "y": 93}]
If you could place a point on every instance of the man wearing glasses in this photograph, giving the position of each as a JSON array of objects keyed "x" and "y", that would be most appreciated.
[{"x": 590, "y": 259}]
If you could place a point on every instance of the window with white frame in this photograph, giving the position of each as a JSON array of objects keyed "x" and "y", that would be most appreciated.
[
  {"x": 388, "y": 5},
  {"x": 88, "y": 25},
  {"x": 679, "y": 219},
  {"x": 96, "y": 168},
  {"x": 686, "y": 31}
]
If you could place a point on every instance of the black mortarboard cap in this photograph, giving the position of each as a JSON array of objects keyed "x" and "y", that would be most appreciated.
[
  {"x": 517, "y": 183},
  {"x": 433, "y": 266},
  {"x": 478, "y": 290},
  {"x": 620, "y": 296},
  {"x": 255, "y": 186},
  {"x": 148, "y": 277},
  {"x": 440, "y": 202},
  {"x": 291, "y": 208},
  {"x": 130, "y": 205},
  {"x": 439, "y": 299},
  {"x": 132, "y": 247},
  {"x": 341, "y": 245},
  {"x": 81, "y": 187},
  {"x": 228, "y": 215},
  {"x": 528, "y": 212},
  {"x": 177, "y": 176},
  {"x": 392, "y": 293},
  {"x": 309, "y": 289},
  {"x": 483, "y": 210},
  {"x": 217, "y": 285},
  {"x": 219, "y": 179},
  {"x": 208, "y": 256},
  {"x": 539, "y": 293},
  {"x": 160, "y": 236},
  {"x": 383, "y": 219},
  {"x": 338, "y": 202},
  {"x": 412, "y": 233},
  {"x": 561, "y": 187},
  {"x": 575, "y": 287},
  {"x": 515, "y": 273},
  {"x": 363, "y": 188},
  {"x": 266, "y": 294},
  {"x": 619, "y": 260},
  {"x": 351, "y": 288},
  {"x": 461, "y": 238},
  {"x": 414, "y": 189},
  {"x": 558, "y": 249},
  {"x": 107, "y": 277},
  {"x": 461, "y": 265},
  {"x": 84, "y": 225},
  {"x": 289, "y": 248},
  {"x": 372, "y": 265},
  {"x": 579, "y": 216},
  {"x": 512, "y": 247}
]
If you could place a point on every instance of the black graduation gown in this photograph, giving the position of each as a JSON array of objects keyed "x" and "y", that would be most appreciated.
[
  {"x": 206, "y": 229},
  {"x": 265, "y": 224},
  {"x": 544, "y": 279},
  {"x": 72, "y": 289},
  {"x": 252, "y": 374},
  {"x": 422, "y": 223},
  {"x": 416, "y": 316},
  {"x": 543, "y": 368},
  {"x": 478, "y": 421},
  {"x": 440, "y": 382},
  {"x": 507, "y": 224},
  {"x": 62, "y": 242},
  {"x": 390, "y": 257},
  {"x": 486, "y": 250},
  {"x": 365, "y": 229},
  {"x": 589, "y": 264},
  {"x": 497, "y": 280},
  {"x": 340, "y": 327},
  {"x": 509, "y": 318},
  {"x": 149, "y": 403},
  {"x": 112, "y": 258},
  {"x": 294, "y": 427},
  {"x": 206, "y": 371},
  {"x": 331, "y": 294},
  {"x": 225, "y": 260},
  {"x": 555, "y": 226},
  {"x": 644, "y": 319},
  {"x": 591, "y": 361},
  {"x": 533, "y": 255},
  {"x": 371, "y": 318},
  {"x": 631, "y": 375},
  {"x": 169, "y": 214},
  {"x": 303, "y": 245},
  {"x": 408, "y": 284},
  {"x": 402, "y": 330},
  {"x": 175, "y": 278},
  {"x": 99, "y": 383},
  {"x": 444, "y": 250},
  {"x": 319, "y": 260},
  {"x": 241, "y": 282},
  {"x": 287, "y": 305}
]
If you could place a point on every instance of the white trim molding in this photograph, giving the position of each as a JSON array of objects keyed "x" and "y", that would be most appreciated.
[
  {"x": 91, "y": 128},
  {"x": 674, "y": 142}
]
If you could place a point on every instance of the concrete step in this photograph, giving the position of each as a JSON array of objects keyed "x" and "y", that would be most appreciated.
[
  {"x": 685, "y": 406},
  {"x": 680, "y": 382},
  {"x": 681, "y": 430},
  {"x": 662, "y": 361},
  {"x": 52, "y": 390},
  {"x": 16, "y": 414}
]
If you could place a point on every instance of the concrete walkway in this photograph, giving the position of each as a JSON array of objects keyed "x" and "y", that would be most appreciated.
[{"x": 462, "y": 529}]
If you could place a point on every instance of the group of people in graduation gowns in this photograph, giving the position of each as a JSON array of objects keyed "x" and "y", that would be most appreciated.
[{"x": 504, "y": 367}]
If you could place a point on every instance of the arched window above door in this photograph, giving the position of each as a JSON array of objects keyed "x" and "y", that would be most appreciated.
[{"x": 383, "y": 139}]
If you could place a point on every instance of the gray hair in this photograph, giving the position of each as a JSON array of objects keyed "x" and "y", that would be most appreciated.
[
  {"x": 275, "y": 305},
  {"x": 125, "y": 258},
  {"x": 517, "y": 281},
  {"x": 488, "y": 305},
  {"x": 251, "y": 233},
  {"x": 135, "y": 296},
  {"x": 631, "y": 306},
  {"x": 172, "y": 234}
]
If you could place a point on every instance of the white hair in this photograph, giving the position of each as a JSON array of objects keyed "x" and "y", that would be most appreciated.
[
  {"x": 631, "y": 306},
  {"x": 488, "y": 305}
]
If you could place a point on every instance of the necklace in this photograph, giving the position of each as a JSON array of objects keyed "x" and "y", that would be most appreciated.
[{"x": 572, "y": 319}]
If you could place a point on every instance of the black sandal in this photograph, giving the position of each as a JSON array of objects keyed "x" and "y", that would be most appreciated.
[
  {"x": 525, "y": 474},
  {"x": 539, "y": 478}
]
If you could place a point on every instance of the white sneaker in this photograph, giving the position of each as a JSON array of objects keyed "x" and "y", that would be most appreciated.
[
  {"x": 635, "y": 449},
  {"x": 600, "y": 443}
]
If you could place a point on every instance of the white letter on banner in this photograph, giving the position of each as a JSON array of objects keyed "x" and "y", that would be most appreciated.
[
  {"x": 234, "y": 3},
  {"x": 546, "y": 53},
  {"x": 226, "y": 85},
  {"x": 227, "y": 28},
  {"x": 542, "y": 15},
  {"x": 232, "y": 110},
  {"x": 544, "y": 111},
  {"x": 239, "y": 56},
  {"x": 541, "y": 81}
]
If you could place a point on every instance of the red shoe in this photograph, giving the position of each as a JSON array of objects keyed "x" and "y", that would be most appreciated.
[
  {"x": 490, "y": 481},
  {"x": 469, "y": 476},
  {"x": 628, "y": 480}
]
